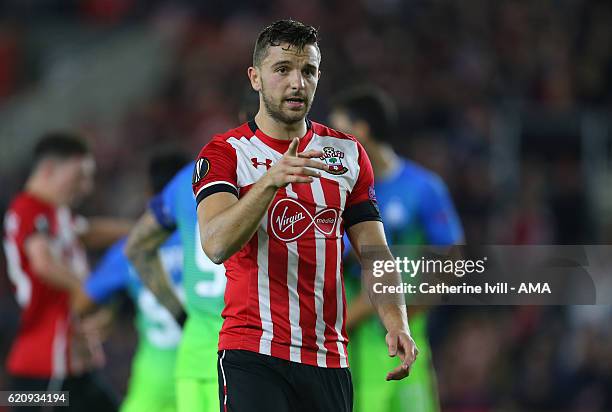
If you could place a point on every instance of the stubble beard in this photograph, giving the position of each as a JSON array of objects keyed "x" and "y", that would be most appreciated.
[{"x": 276, "y": 112}]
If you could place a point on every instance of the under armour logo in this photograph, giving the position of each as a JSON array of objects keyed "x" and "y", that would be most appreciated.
[{"x": 257, "y": 163}]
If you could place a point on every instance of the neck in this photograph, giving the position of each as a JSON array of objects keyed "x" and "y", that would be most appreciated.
[
  {"x": 39, "y": 188},
  {"x": 279, "y": 130},
  {"x": 383, "y": 158}
]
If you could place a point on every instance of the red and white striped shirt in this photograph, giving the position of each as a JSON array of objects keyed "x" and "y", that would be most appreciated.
[
  {"x": 44, "y": 346},
  {"x": 285, "y": 292}
]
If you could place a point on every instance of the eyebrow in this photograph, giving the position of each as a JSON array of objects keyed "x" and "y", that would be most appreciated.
[
  {"x": 289, "y": 62},
  {"x": 280, "y": 63}
]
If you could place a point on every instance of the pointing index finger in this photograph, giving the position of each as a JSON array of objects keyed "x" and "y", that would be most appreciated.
[{"x": 292, "y": 150}]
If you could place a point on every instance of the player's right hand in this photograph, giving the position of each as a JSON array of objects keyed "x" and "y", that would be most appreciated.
[{"x": 295, "y": 167}]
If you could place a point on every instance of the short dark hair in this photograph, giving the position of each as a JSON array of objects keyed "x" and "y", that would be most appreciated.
[
  {"x": 371, "y": 105},
  {"x": 61, "y": 145},
  {"x": 295, "y": 33},
  {"x": 163, "y": 166}
]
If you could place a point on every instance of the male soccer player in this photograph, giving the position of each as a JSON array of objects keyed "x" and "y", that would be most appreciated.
[
  {"x": 416, "y": 209},
  {"x": 151, "y": 386},
  {"x": 203, "y": 285},
  {"x": 275, "y": 217},
  {"x": 46, "y": 263}
]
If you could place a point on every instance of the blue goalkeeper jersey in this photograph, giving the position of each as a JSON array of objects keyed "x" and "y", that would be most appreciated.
[
  {"x": 203, "y": 281},
  {"x": 416, "y": 207}
]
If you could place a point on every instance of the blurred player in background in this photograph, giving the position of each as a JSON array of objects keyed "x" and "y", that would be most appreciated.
[
  {"x": 194, "y": 383},
  {"x": 47, "y": 264},
  {"x": 416, "y": 209},
  {"x": 203, "y": 285},
  {"x": 151, "y": 386}
]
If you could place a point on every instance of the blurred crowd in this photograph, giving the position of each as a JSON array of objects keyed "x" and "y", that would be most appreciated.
[{"x": 451, "y": 67}]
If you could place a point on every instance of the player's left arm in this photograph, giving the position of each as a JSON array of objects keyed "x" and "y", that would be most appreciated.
[
  {"x": 101, "y": 232},
  {"x": 142, "y": 250},
  {"x": 364, "y": 228},
  {"x": 154, "y": 227},
  {"x": 392, "y": 313}
]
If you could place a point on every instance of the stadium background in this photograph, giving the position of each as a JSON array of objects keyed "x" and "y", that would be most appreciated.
[{"x": 509, "y": 101}]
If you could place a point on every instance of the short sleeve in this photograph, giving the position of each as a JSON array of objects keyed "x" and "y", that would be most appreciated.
[
  {"x": 215, "y": 170},
  {"x": 438, "y": 215},
  {"x": 361, "y": 203},
  {"x": 23, "y": 222},
  {"x": 110, "y": 276},
  {"x": 163, "y": 206}
]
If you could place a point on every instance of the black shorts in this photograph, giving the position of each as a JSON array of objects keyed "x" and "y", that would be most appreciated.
[
  {"x": 88, "y": 393},
  {"x": 253, "y": 382}
]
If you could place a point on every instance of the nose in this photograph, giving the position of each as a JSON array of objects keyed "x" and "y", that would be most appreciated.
[{"x": 297, "y": 80}]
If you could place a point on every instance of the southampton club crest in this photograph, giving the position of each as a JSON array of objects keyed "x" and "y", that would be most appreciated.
[{"x": 333, "y": 159}]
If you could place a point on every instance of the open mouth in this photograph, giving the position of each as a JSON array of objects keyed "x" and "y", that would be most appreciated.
[{"x": 295, "y": 101}]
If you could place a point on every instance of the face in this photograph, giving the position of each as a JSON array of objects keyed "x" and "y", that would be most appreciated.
[
  {"x": 73, "y": 178},
  {"x": 287, "y": 81}
]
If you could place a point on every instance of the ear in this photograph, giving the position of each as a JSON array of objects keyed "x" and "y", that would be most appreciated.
[{"x": 255, "y": 78}]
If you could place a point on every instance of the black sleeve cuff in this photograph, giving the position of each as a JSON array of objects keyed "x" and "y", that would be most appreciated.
[
  {"x": 156, "y": 206},
  {"x": 216, "y": 188},
  {"x": 361, "y": 212}
]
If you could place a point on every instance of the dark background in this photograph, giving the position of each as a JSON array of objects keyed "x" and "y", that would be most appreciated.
[{"x": 509, "y": 101}]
